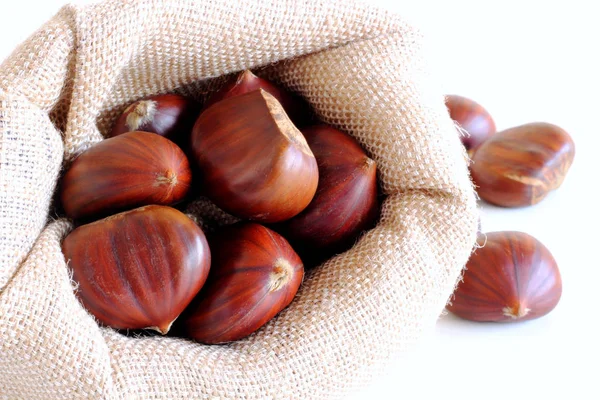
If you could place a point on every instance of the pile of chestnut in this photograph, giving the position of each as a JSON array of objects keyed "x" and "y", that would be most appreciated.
[
  {"x": 300, "y": 191},
  {"x": 511, "y": 276}
]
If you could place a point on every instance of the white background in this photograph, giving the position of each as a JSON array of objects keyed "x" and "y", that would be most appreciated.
[{"x": 524, "y": 61}]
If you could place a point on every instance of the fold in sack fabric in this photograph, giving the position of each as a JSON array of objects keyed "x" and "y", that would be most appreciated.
[{"x": 362, "y": 69}]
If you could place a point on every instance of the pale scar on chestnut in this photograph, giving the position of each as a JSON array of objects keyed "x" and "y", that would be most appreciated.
[
  {"x": 526, "y": 179},
  {"x": 285, "y": 125},
  {"x": 142, "y": 113}
]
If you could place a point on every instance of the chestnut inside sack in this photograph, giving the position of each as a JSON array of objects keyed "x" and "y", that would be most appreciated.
[{"x": 359, "y": 69}]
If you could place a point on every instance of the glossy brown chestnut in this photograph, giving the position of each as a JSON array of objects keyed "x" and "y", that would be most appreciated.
[
  {"x": 169, "y": 115},
  {"x": 295, "y": 107},
  {"x": 346, "y": 202},
  {"x": 138, "y": 269},
  {"x": 473, "y": 118},
  {"x": 254, "y": 163},
  {"x": 255, "y": 274},
  {"x": 513, "y": 277},
  {"x": 521, "y": 165},
  {"x": 124, "y": 172}
]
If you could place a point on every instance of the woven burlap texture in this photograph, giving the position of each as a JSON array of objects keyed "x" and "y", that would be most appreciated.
[{"x": 361, "y": 68}]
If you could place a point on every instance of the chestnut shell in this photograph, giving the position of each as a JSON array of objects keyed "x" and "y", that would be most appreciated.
[
  {"x": 138, "y": 269},
  {"x": 125, "y": 172},
  {"x": 520, "y": 166},
  {"x": 169, "y": 115},
  {"x": 473, "y": 118},
  {"x": 255, "y": 274},
  {"x": 296, "y": 108},
  {"x": 513, "y": 277},
  {"x": 346, "y": 202},
  {"x": 254, "y": 163}
]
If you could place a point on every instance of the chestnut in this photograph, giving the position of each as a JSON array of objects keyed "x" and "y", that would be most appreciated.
[
  {"x": 295, "y": 107},
  {"x": 254, "y": 163},
  {"x": 138, "y": 269},
  {"x": 169, "y": 115},
  {"x": 521, "y": 165},
  {"x": 346, "y": 202},
  {"x": 473, "y": 118},
  {"x": 254, "y": 275},
  {"x": 511, "y": 277},
  {"x": 124, "y": 172}
]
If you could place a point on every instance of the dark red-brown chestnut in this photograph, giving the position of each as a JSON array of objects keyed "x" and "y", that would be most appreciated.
[
  {"x": 295, "y": 107},
  {"x": 346, "y": 202},
  {"x": 138, "y": 269},
  {"x": 254, "y": 163},
  {"x": 169, "y": 115},
  {"x": 473, "y": 118},
  {"x": 520, "y": 166},
  {"x": 513, "y": 277},
  {"x": 255, "y": 274},
  {"x": 125, "y": 172}
]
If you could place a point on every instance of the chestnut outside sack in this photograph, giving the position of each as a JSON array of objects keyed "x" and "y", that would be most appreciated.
[{"x": 362, "y": 69}]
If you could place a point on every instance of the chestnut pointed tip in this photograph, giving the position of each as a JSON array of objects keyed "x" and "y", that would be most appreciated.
[
  {"x": 517, "y": 312},
  {"x": 369, "y": 164},
  {"x": 471, "y": 152},
  {"x": 163, "y": 329},
  {"x": 245, "y": 76}
]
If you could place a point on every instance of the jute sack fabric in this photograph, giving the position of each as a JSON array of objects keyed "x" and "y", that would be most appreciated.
[{"x": 362, "y": 69}]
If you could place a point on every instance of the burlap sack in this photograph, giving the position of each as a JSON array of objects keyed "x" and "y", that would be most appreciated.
[{"x": 362, "y": 69}]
